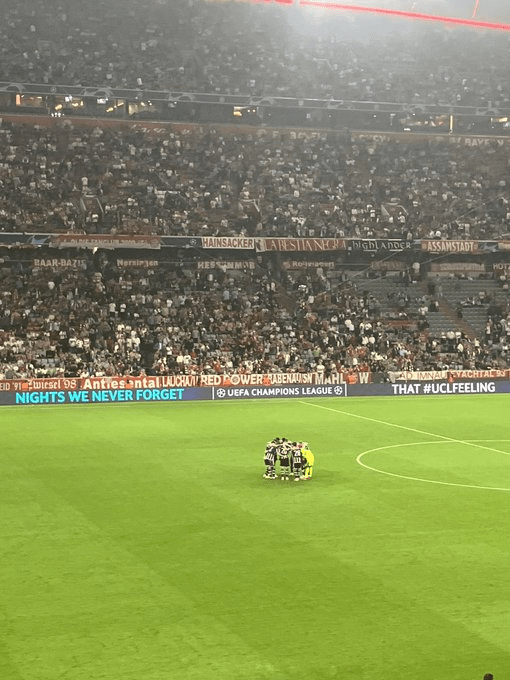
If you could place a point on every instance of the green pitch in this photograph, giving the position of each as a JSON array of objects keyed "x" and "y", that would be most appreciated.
[{"x": 141, "y": 542}]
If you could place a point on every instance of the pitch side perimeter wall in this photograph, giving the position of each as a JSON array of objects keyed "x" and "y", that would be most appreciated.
[{"x": 180, "y": 394}]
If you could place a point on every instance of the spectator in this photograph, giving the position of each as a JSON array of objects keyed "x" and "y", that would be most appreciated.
[
  {"x": 103, "y": 318},
  {"x": 202, "y": 181},
  {"x": 198, "y": 46}
]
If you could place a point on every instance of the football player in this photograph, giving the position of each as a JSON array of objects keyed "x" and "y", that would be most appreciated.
[
  {"x": 309, "y": 460},
  {"x": 270, "y": 456},
  {"x": 297, "y": 461},
  {"x": 284, "y": 455}
]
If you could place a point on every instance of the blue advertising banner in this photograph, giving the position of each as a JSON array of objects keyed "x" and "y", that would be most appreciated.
[
  {"x": 145, "y": 394},
  {"x": 274, "y": 392},
  {"x": 121, "y": 396},
  {"x": 433, "y": 388}
]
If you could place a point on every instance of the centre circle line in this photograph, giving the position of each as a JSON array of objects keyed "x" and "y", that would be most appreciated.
[
  {"x": 410, "y": 429},
  {"x": 422, "y": 479}
]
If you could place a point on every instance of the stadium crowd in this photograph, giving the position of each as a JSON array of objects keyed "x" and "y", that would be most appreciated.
[
  {"x": 239, "y": 47},
  {"x": 199, "y": 180},
  {"x": 100, "y": 317}
]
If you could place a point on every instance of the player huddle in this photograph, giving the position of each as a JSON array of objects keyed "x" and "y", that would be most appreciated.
[{"x": 288, "y": 459}]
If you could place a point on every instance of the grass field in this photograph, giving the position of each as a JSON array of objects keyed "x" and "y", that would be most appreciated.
[{"x": 140, "y": 542}]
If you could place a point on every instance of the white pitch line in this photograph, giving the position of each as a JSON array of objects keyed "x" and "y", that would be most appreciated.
[
  {"x": 405, "y": 427},
  {"x": 422, "y": 479}
]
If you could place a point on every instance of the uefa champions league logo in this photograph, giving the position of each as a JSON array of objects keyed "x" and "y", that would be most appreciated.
[{"x": 220, "y": 393}]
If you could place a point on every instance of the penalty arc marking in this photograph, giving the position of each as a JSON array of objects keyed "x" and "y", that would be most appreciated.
[{"x": 423, "y": 479}]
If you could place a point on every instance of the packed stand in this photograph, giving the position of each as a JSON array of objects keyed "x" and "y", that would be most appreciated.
[
  {"x": 198, "y": 181},
  {"x": 99, "y": 317},
  {"x": 263, "y": 50}
]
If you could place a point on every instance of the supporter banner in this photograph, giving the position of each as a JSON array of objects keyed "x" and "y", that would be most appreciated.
[
  {"x": 469, "y": 247},
  {"x": 475, "y": 142},
  {"x": 420, "y": 376},
  {"x": 501, "y": 267},
  {"x": 104, "y": 241},
  {"x": 388, "y": 265},
  {"x": 450, "y": 246},
  {"x": 328, "y": 244},
  {"x": 102, "y": 383},
  {"x": 181, "y": 241},
  {"x": 15, "y": 239},
  {"x": 403, "y": 323},
  {"x": 270, "y": 379},
  {"x": 462, "y": 267},
  {"x": 307, "y": 264},
  {"x": 416, "y": 137},
  {"x": 145, "y": 264},
  {"x": 59, "y": 263},
  {"x": 377, "y": 245},
  {"x": 264, "y": 392},
  {"x": 172, "y": 381},
  {"x": 283, "y": 244},
  {"x": 314, "y": 245},
  {"x": 228, "y": 242},
  {"x": 225, "y": 264}
]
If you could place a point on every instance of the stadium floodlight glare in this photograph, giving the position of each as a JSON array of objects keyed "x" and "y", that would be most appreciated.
[
  {"x": 417, "y": 16},
  {"x": 384, "y": 11}
]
